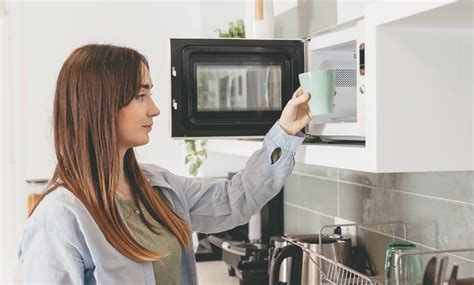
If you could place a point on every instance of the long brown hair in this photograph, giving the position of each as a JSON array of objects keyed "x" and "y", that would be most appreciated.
[{"x": 94, "y": 83}]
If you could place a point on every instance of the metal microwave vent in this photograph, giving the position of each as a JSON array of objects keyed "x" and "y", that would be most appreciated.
[{"x": 346, "y": 77}]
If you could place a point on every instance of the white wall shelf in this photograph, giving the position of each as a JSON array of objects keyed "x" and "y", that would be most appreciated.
[{"x": 338, "y": 156}]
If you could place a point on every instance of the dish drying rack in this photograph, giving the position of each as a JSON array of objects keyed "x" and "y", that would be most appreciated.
[
  {"x": 430, "y": 252},
  {"x": 332, "y": 272}
]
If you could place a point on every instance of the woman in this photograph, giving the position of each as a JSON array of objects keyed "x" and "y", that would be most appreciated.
[{"x": 107, "y": 219}]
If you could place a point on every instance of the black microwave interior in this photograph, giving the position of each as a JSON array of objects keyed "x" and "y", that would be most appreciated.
[{"x": 231, "y": 87}]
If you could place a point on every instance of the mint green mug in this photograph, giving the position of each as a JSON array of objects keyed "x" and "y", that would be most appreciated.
[{"x": 320, "y": 84}]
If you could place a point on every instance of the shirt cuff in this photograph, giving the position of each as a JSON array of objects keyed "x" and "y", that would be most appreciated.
[{"x": 279, "y": 138}]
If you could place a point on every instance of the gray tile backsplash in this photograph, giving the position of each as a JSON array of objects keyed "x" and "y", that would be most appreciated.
[
  {"x": 291, "y": 196},
  {"x": 299, "y": 220},
  {"x": 311, "y": 220},
  {"x": 438, "y": 207},
  {"x": 315, "y": 170},
  {"x": 291, "y": 219},
  {"x": 432, "y": 222},
  {"x": 386, "y": 180},
  {"x": 448, "y": 185},
  {"x": 318, "y": 194}
]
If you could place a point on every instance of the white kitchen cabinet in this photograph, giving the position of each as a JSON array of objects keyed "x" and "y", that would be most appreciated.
[
  {"x": 418, "y": 93},
  {"x": 419, "y": 86}
]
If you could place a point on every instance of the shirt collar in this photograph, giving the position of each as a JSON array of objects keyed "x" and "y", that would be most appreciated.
[{"x": 155, "y": 180}]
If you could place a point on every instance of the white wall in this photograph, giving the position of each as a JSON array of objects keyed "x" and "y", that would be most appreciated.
[
  {"x": 12, "y": 213},
  {"x": 217, "y": 15},
  {"x": 351, "y": 9},
  {"x": 143, "y": 26},
  {"x": 43, "y": 34},
  {"x": 3, "y": 238},
  {"x": 220, "y": 164}
]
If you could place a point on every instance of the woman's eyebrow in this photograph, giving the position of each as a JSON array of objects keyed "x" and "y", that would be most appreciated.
[{"x": 146, "y": 86}]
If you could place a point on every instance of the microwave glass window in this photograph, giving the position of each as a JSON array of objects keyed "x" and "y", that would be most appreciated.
[{"x": 238, "y": 88}]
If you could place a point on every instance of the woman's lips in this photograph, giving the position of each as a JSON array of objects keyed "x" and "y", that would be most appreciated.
[{"x": 148, "y": 127}]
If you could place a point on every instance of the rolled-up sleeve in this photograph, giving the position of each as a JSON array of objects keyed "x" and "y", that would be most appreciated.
[{"x": 218, "y": 205}]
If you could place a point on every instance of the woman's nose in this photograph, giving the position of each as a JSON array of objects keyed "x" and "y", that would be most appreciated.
[{"x": 153, "y": 111}]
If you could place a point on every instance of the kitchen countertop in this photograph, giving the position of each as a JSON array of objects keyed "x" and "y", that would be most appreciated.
[{"x": 214, "y": 273}]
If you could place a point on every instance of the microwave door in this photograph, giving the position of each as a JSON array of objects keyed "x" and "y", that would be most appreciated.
[{"x": 231, "y": 87}]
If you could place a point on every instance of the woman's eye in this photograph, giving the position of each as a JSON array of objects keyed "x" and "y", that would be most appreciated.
[{"x": 140, "y": 97}]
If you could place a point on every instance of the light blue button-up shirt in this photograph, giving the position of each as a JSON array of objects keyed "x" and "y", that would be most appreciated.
[{"x": 62, "y": 244}]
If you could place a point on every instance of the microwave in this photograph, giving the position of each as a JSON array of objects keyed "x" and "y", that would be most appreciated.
[{"x": 239, "y": 87}]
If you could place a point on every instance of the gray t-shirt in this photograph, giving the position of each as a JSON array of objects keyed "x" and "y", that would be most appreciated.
[{"x": 167, "y": 270}]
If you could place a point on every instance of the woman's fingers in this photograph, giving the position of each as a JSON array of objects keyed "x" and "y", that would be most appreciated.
[
  {"x": 306, "y": 113},
  {"x": 299, "y": 96},
  {"x": 299, "y": 90},
  {"x": 302, "y": 98},
  {"x": 297, "y": 93}
]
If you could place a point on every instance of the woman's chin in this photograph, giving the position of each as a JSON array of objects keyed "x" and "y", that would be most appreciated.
[
  {"x": 141, "y": 142},
  {"x": 145, "y": 141},
  {"x": 136, "y": 141}
]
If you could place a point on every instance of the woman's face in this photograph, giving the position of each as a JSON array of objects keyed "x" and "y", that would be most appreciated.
[{"x": 135, "y": 119}]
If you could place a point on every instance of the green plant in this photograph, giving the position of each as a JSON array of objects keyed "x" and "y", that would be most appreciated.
[
  {"x": 195, "y": 157},
  {"x": 236, "y": 30}
]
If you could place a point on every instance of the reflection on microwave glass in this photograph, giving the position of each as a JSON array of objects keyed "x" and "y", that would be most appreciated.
[{"x": 238, "y": 88}]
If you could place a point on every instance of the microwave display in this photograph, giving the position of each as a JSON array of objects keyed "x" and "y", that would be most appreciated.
[{"x": 246, "y": 87}]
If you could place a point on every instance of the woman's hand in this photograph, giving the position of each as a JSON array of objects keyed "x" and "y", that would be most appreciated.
[{"x": 296, "y": 115}]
